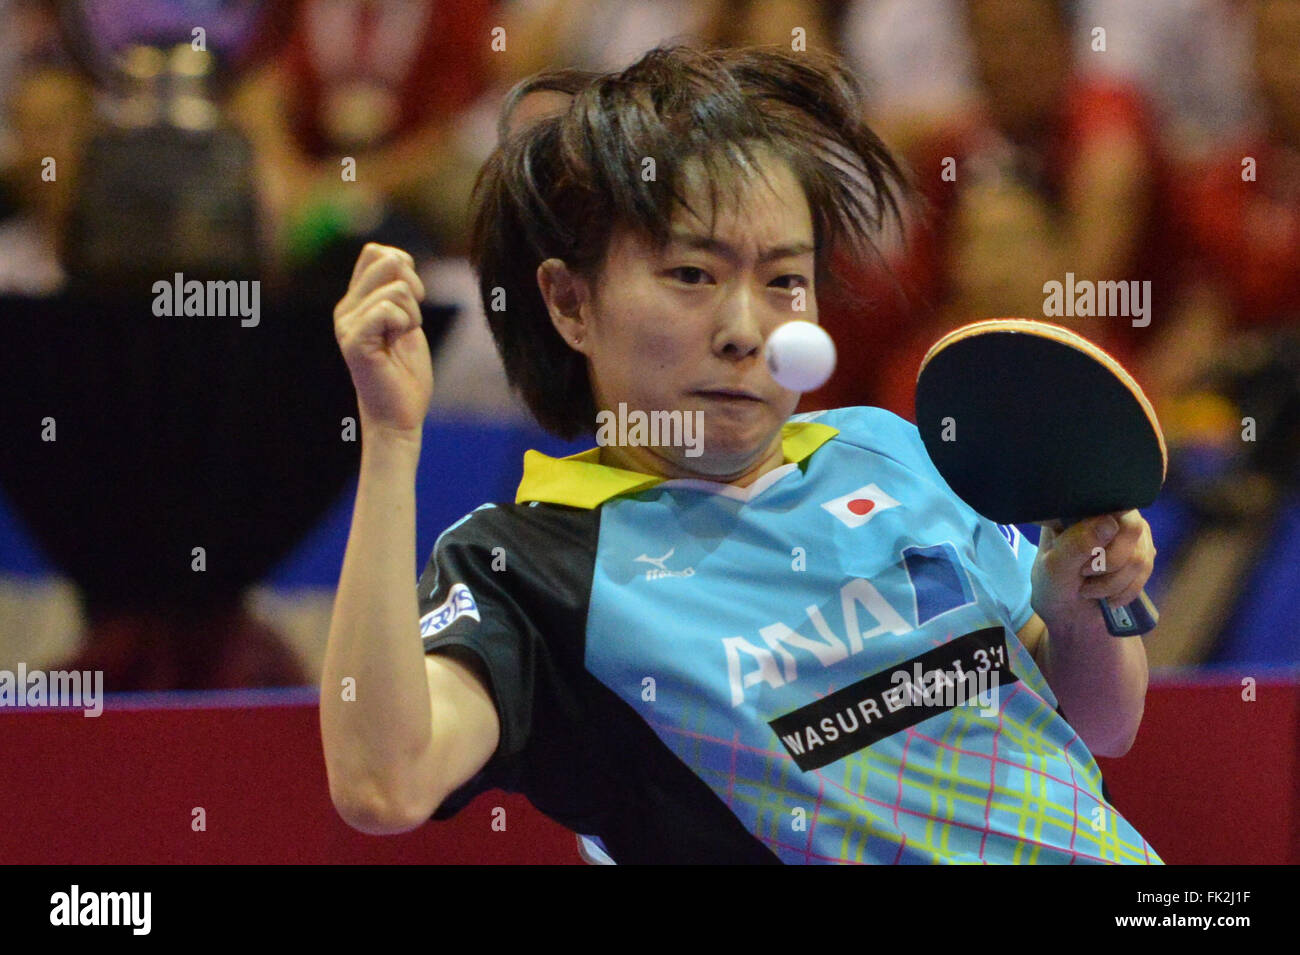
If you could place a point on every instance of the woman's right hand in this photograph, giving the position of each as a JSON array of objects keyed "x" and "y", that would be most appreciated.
[{"x": 378, "y": 328}]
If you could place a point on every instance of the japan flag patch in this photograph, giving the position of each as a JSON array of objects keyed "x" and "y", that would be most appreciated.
[{"x": 860, "y": 506}]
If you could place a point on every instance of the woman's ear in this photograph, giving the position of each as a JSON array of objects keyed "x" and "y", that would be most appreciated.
[{"x": 566, "y": 295}]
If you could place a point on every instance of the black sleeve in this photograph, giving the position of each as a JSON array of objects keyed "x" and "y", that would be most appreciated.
[{"x": 467, "y": 611}]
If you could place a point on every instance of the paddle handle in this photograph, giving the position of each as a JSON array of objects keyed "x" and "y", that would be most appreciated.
[{"x": 1131, "y": 620}]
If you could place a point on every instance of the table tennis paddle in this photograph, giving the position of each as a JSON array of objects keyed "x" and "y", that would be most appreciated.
[{"x": 1029, "y": 422}]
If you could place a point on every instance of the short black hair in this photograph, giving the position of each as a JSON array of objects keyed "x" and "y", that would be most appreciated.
[{"x": 560, "y": 185}]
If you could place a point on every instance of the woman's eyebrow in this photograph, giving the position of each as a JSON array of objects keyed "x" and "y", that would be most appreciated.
[{"x": 693, "y": 240}]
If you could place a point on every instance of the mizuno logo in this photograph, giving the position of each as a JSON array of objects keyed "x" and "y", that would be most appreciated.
[{"x": 660, "y": 570}]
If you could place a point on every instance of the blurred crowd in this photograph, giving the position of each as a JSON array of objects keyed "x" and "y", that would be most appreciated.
[
  {"x": 1111, "y": 140},
  {"x": 1104, "y": 140}
]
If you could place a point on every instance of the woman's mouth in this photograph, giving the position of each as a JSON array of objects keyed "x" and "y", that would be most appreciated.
[{"x": 729, "y": 394}]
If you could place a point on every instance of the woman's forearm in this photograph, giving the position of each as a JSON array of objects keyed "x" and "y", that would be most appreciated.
[
  {"x": 1099, "y": 680},
  {"x": 375, "y": 708}
]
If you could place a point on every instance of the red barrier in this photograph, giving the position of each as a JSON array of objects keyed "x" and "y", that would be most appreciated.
[
  {"x": 1212, "y": 779},
  {"x": 123, "y": 788}
]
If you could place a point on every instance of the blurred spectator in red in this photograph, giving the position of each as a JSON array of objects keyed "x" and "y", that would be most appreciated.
[
  {"x": 914, "y": 57},
  {"x": 607, "y": 35},
  {"x": 737, "y": 23},
  {"x": 1053, "y": 173},
  {"x": 384, "y": 82},
  {"x": 594, "y": 34},
  {"x": 1190, "y": 57},
  {"x": 1241, "y": 213},
  {"x": 1240, "y": 216}
]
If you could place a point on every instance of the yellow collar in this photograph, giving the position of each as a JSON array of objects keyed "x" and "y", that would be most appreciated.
[{"x": 580, "y": 481}]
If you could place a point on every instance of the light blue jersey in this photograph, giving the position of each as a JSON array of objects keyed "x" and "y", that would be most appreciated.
[{"x": 831, "y": 651}]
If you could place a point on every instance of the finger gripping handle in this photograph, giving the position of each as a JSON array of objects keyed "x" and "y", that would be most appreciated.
[{"x": 1131, "y": 620}]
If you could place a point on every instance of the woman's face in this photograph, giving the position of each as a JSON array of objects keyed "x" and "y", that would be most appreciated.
[{"x": 682, "y": 330}]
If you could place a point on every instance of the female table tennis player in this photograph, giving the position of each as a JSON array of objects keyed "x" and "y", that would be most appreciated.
[{"x": 785, "y": 642}]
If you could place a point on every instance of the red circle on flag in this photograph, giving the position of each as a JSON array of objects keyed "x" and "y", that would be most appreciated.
[{"x": 861, "y": 505}]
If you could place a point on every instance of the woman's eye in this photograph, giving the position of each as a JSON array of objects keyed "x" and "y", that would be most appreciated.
[
  {"x": 689, "y": 272},
  {"x": 693, "y": 275}
]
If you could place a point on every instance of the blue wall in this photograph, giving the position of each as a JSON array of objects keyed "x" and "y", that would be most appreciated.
[{"x": 465, "y": 463}]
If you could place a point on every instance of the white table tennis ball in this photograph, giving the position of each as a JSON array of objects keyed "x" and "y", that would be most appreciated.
[{"x": 800, "y": 355}]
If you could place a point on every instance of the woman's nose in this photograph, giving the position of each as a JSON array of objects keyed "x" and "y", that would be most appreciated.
[{"x": 740, "y": 331}]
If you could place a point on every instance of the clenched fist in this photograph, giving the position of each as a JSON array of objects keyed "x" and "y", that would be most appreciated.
[
  {"x": 1109, "y": 557},
  {"x": 378, "y": 328}
]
